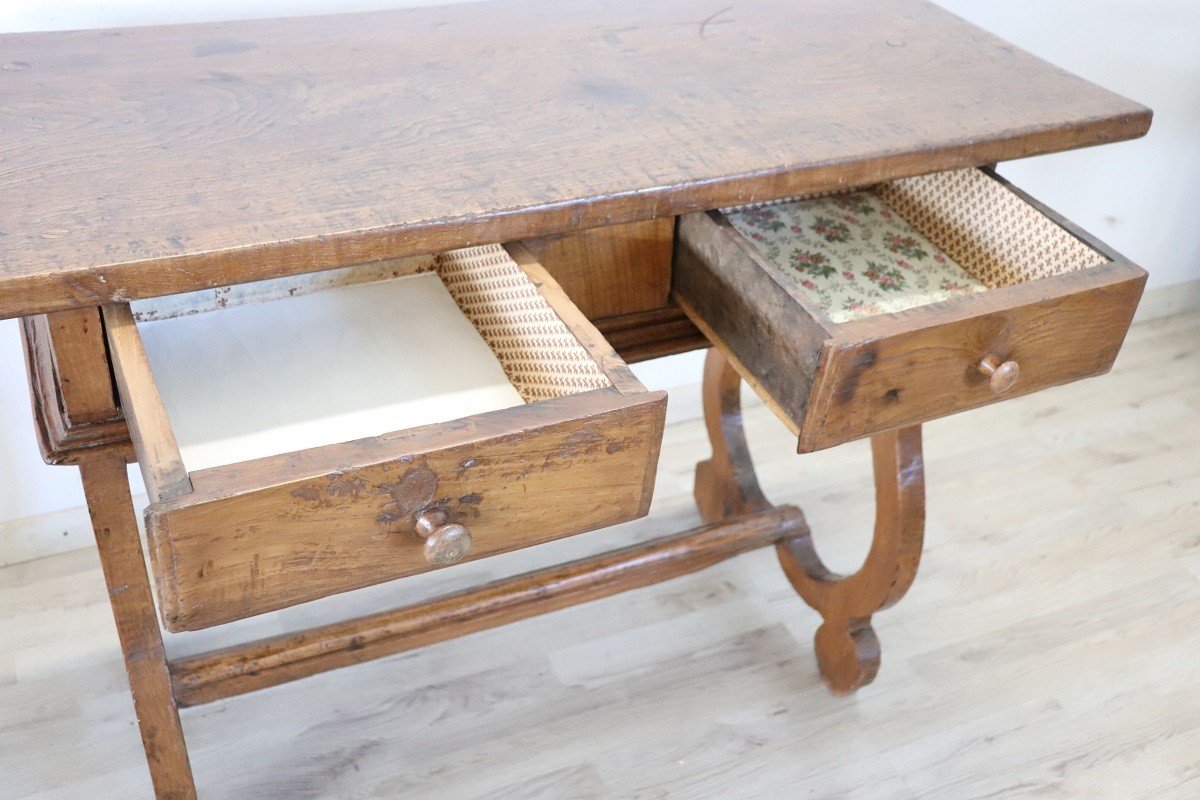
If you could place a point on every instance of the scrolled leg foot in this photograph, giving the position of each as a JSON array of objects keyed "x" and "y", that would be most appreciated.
[{"x": 847, "y": 655}]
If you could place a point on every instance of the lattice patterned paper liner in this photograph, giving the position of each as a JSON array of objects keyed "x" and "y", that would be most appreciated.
[
  {"x": 993, "y": 233},
  {"x": 965, "y": 233},
  {"x": 538, "y": 353}
]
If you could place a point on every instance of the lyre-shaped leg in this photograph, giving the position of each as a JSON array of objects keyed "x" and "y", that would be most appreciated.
[{"x": 847, "y": 649}]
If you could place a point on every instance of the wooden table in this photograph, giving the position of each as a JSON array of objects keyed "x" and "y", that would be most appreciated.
[{"x": 142, "y": 162}]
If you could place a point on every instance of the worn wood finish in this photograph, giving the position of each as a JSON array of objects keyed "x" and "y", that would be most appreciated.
[
  {"x": 833, "y": 383},
  {"x": 846, "y": 646},
  {"x": 635, "y": 337},
  {"x": 903, "y": 369},
  {"x": 726, "y": 484},
  {"x": 628, "y": 112},
  {"x": 480, "y": 122},
  {"x": 611, "y": 271},
  {"x": 246, "y": 668},
  {"x": 772, "y": 333},
  {"x": 62, "y": 437},
  {"x": 86, "y": 394},
  {"x": 149, "y": 426},
  {"x": 107, "y": 489},
  {"x": 664, "y": 331},
  {"x": 269, "y": 533}
]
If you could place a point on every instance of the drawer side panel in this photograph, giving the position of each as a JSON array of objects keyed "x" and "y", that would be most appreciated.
[{"x": 768, "y": 336}]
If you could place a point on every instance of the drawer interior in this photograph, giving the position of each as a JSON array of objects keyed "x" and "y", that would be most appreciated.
[
  {"x": 302, "y": 439},
  {"x": 856, "y": 313},
  {"x": 909, "y": 243},
  {"x": 308, "y": 370},
  {"x": 243, "y": 373}
]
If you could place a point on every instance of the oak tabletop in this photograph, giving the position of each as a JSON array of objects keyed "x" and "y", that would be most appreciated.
[{"x": 147, "y": 161}]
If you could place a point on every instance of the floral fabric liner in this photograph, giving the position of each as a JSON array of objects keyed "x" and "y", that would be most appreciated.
[{"x": 853, "y": 254}]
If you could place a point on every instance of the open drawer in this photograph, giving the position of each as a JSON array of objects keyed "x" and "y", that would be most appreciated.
[
  {"x": 852, "y": 314},
  {"x": 304, "y": 437}
]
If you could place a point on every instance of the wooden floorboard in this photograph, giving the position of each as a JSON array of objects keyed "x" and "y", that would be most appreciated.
[{"x": 1049, "y": 648}]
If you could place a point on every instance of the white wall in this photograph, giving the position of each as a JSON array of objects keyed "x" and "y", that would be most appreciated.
[{"x": 1142, "y": 197}]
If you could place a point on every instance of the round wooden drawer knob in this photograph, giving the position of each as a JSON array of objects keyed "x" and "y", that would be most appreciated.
[
  {"x": 445, "y": 542},
  {"x": 1001, "y": 377}
]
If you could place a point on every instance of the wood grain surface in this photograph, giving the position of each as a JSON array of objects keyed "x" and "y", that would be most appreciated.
[
  {"x": 150, "y": 428},
  {"x": 75, "y": 409},
  {"x": 651, "y": 334},
  {"x": 611, "y": 271},
  {"x": 768, "y": 329},
  {"x": 120, "y": 547},
  {"x": 86, "y": 392},
  {"x": 246, "y": 668},
  {"x": 270, "y": 533},
  {"x": 903, "y": 369},
  {"x": 149, "y": 161}
]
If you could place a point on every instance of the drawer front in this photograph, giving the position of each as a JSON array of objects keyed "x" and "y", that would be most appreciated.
[
  {"x": 266, "y": 535},
  {"x": 577, "y": 451},
  {"x": 1057, "y": 331},
  {"x": 1041, "y": 302}
]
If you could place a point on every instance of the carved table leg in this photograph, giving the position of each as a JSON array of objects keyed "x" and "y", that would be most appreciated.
[
  {"x": 726, "y": 485},
  {"x": 846, "y": 645},
  {"x": 111, "y": 508}
]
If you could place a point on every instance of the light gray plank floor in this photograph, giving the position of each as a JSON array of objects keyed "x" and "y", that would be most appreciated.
[{"x": 1050, "y": 647}]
